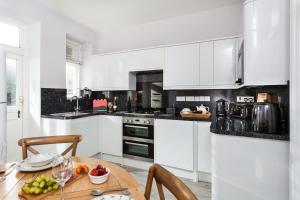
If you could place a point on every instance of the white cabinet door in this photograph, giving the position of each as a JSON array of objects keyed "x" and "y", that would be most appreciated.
[
  {"x": 173, "y": 143},
  {"x": 117, "y": 72},
  {"x": 266, "y": 33},
  {"x": 149, "y": 59},
  {"x": 204, "y": 147},
  {"x": 207, "y": 64},
  {"x": 249, "y": 168},
  {"x": 110, "y": 131},
  {"x": 88, "y": 128},
  {"x": 93, "y": 73},
  {"x": 225, "y": 52},
  {"x": 181, "y": 66}
]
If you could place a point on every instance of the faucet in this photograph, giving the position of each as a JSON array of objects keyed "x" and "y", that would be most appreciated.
[{"x": 77, "y": 107}]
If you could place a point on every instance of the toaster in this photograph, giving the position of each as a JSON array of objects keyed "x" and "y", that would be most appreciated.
[{"x": 240, "y": 110}]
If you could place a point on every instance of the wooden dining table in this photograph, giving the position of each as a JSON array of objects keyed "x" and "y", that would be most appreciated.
[{"x": 79, "y": 188}]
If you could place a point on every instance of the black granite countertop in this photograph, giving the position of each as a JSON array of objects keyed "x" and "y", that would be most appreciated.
[
  {"x": 241, "y": 127},
  {"x": 88, "y": 113}
]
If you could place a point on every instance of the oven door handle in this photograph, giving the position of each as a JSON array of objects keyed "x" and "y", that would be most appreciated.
[
  {"x": 131, "y": 126},
  {"x": 137, "y": 144}
]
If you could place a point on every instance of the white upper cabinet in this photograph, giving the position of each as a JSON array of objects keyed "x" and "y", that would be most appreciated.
[
  {"x": 204, "y": 65},
  {"x": 207, "y": 64},
  {"x": 117, "y": 77},
  {"x": 181, "y": 66},
  {"x": 225, "y": 56},
  {"x": 266, "y": 34},
  {"x": 149, "y": 59},
  {"x": 92, "y": 72},
  {"x": 107, "y": 72}
]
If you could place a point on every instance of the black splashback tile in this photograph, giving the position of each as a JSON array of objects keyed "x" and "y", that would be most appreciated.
[{"x": 53, "y": 100}]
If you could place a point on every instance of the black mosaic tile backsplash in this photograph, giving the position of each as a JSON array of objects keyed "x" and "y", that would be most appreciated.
[
  {"x": 53, "y": 100},
  {"x": 229, "y": 95}
]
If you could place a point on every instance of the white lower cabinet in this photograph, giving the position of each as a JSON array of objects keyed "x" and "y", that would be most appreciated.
[
  {"x": 204, "y": 146},
  {"x": 110, "y": 135},
  {"x": 184, "y": 147},
  {"x": 87, "y": 127},
  {"x": 249, "y": 168},
  {"x": 173, "y": 143}
]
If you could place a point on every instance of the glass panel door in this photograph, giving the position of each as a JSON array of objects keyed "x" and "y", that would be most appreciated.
[{"x": 14, "y": 72}]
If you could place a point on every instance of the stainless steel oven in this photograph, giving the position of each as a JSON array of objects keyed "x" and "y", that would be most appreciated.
[{"x": 138, "y": 138}]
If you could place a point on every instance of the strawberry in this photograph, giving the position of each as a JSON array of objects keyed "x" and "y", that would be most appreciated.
[
  {"x": 99, "y": 167},
  {"x": 94, "y": 172}
]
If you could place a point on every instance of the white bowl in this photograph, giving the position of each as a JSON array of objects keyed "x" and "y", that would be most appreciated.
[
  {"x": 40, "y": 160},
  {"x": 99, "y": 179}
]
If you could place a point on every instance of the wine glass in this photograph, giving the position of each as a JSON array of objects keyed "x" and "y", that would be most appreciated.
[{"x": 62, "y": 170}]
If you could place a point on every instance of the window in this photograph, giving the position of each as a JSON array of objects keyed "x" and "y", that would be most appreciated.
[
  {"x": 72, "y": 79},
  {"x": 11, "y": 71},
  {"x": 73, "y": 56},
  {"x": 9, "y": 35}
]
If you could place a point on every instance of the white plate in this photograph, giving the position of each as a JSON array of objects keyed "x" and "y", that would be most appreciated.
[
  {"x": 113, "y": 197},
  {"x": 24, "y": 166},
  {"x": 40, "y": 159}
]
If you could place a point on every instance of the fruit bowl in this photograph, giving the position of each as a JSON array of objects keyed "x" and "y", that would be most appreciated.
[{"x": 99, "y": 175}]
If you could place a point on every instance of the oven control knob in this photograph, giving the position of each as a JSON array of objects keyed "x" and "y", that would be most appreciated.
[{"x": 147, "y": 122}]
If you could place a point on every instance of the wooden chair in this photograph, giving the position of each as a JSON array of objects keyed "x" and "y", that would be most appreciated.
[
  {"x": 27, "y": 143},
  {"x": 170, "y": 181}
]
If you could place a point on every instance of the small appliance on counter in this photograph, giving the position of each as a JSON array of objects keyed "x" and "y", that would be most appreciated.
[
  {"x": 264, "y": 97},
  {"x": 86, "y": 93},
  {"x": 240, "y": 110},
  {"x": 266, "y": 118},
  {"x": 221, "y": 106},
  {"x": 100, "y": 104}
]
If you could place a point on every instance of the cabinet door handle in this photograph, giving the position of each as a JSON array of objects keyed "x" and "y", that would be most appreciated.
[
  {"x": 141, "y": 127},
  {"x": 136, "y": 144},
  {"x": 19, "y": 114}
]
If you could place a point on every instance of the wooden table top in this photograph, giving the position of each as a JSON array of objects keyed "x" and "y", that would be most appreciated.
[{"x": 79, "y": 189}]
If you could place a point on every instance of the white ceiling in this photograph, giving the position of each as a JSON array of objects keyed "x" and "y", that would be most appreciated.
[{"x": 113, "y": 14}]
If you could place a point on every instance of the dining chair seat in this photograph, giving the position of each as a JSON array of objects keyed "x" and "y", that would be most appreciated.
[
  {"x": 165, "y": 178},
  {"x": 27, "y": 143}
]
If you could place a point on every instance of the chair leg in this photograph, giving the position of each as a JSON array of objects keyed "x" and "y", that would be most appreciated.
[
  {"x": 160, "y": 191},
  {"x": 149, "y": 184}
]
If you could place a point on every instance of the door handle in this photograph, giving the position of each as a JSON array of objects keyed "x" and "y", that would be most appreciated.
[{"x": 19, "y": 114}]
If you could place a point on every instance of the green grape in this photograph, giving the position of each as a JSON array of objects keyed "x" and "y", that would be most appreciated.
[
  {"x": 55, "y": 186},
  {"x": 38, "y": 179},
  {"x": 29, "y": 181},
  {"x": 43, "y": 177},
  {"x": 50, "y": 188},
  {"x": 31, "y": 190},
  {"x": 35, "y": 184},
  {"x": 47, "y": 179},
  {"x": 42, "y": 184},
  {"x": 50, "y": 182},
  {"x": 45, "y": 191},
  {"x": 37, "y": 191},
  {"x": 26, "y": 190}
]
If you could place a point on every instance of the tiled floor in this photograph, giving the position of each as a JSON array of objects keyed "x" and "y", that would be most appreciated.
[{"x": 201, "y": 189}]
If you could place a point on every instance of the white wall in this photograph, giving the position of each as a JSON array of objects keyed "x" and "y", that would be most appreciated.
[
  {"x": 44, "y": 60},
  {"x": 294, "y": 102},
  {"x": 215, "y": 23},
  {"x": 53, "y": 35}
]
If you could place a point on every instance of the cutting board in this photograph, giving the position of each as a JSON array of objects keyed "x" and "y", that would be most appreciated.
[
  {"x": 195, "y": 115},
  {"x": 25, "y": 196}
]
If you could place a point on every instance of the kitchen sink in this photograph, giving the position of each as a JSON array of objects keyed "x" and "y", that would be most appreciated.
[{"x": 70, "y": 114}]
